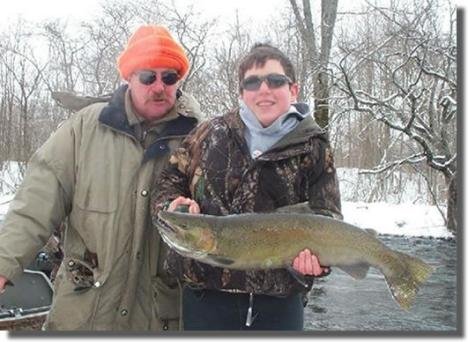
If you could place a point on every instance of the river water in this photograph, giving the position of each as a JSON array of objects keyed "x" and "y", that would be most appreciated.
[{"x": 339, "y": 303}]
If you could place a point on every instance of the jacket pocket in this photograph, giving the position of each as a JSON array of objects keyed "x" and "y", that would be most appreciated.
[
  {"x": 166, "y": 300},
  {"x": 80, "y": 273},
  {"x": 93, "y": 215},
  {"x": 71, "y": 309}
]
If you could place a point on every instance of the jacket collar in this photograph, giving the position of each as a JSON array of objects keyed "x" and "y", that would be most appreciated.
[
  {"x": 297, "y": 141},
  {"x": 114, "y": 116},
  {"x": 294, "y": 142}
]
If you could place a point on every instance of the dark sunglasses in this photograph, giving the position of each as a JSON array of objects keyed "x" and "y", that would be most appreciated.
[
  {"x": 273, "y": 81},
  {"x": 148, "y": 77}
]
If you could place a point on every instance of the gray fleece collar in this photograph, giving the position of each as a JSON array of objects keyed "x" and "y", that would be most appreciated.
[{"x": 259, "y": 139}]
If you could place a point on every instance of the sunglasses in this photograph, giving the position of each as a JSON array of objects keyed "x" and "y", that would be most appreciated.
[
  {"x": 148, "y": 77},
  {"x": 273, "y": 81}
]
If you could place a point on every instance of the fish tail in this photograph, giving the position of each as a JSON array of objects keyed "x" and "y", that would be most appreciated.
[{"x": 407, "y": 275}]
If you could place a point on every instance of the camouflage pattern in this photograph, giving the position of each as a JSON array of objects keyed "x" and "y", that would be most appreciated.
[{"x": 214, "y": 167}]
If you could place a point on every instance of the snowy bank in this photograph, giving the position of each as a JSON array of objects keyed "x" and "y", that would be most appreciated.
[{"x": 397, "y": 219}]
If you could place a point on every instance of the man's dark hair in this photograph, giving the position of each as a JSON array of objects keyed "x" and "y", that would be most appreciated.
[{"x": 259, "y": 54}]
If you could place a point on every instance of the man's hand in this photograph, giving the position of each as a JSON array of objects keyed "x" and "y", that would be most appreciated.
[
  {"x": 308, "y": 264},
  {"x": 193, "y": 207},
  {"x": 3, "y": 282}
]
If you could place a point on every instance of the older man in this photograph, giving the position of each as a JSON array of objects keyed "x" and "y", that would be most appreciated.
[{"x": 94, "y": 173}]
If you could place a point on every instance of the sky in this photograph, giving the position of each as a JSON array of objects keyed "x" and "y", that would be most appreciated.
[
  {"x": 43, "y": 9},
  {"x": 253, "y": 12},
  {"x": 38, "y": 10}
]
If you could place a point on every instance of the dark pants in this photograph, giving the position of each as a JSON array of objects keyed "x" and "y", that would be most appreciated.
[{"x": 217, "y": 310}]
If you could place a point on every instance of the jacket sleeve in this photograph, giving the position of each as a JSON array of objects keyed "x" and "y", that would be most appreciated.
[
  {"x": 324, "y": 192},
  {"x": 181, "y": 173},
  {"x": 40, "y": 204},
  {"x": 173, "y": 180}
]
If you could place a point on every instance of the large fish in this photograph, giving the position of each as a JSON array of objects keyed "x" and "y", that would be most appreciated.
[{"x": 262, "y": 241}]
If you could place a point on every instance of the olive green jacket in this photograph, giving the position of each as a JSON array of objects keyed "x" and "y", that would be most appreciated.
[{"x": 94, "y": 174}]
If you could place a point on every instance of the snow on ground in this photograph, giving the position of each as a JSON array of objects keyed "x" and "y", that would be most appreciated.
[
  {"x": 397, "y": 219},
  {"x": 4, "y": 201}
]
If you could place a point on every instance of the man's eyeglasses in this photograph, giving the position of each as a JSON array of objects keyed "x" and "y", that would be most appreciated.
[
  {"x": 148, "y": 77},
  {"x": 273, "y": 81}
]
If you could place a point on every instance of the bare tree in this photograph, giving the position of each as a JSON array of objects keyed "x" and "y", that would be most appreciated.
[
  {"x": 186, "y": 24},
  {"x": 23, "y": 77},
  {"x": 414, "y": 93},
  {"x": 193, "y": 35},
  {"x": 390, "y": 82},
  {"x": 217, "y": 88},
  {"x": 317, "y": 54}
]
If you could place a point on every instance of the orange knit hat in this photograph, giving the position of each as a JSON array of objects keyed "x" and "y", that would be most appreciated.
[{"x": 152, "y": 46}]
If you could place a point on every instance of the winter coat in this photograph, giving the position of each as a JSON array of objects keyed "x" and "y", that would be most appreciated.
[
  {"x": 95, "y": 174},
  {"x": 214, "y": 167}
]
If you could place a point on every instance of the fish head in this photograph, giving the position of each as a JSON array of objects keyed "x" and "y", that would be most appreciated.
[{"x": 188, "y": 234}]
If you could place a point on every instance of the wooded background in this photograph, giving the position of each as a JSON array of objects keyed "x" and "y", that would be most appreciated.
[{"x": 382, "y": 79}]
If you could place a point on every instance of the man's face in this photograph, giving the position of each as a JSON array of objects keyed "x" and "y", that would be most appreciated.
[
  {"x": 269, "y": 103},
  {"x": 153, "y": 92}
]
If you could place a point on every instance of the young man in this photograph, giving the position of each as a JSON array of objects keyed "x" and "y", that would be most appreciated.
[
  {"x": 267, "y": 154},
  {"x": 94, "y": 173}
]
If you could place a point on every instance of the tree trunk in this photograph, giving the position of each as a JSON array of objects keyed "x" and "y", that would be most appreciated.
[
  {"x": 322, "y": 87},
  {"x": 321, "y": 92},
  {"x": 318, "y": 54},
  {"x": 452, "y": 222}
]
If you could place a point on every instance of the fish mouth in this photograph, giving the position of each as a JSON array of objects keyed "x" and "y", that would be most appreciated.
[
  {"x": 169, "y": 233},
  {"x": 165, "y": 225},
  {"x": 173, "y": 237}
]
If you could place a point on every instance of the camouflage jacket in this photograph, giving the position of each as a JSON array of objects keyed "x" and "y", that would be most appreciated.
[{"x": 214, "y": 167}]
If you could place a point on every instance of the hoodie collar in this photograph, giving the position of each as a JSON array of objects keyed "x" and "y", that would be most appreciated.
[{"x": 295, "y": 140}]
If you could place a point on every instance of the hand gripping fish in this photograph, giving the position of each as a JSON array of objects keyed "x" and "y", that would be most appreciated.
[{"x": 263, "y": 241}]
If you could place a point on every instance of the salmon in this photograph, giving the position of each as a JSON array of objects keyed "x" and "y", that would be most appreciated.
[{"x": 272, "y": 240}]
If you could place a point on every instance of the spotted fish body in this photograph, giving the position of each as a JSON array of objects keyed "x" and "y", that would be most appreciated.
[{"x": 263, "y": 241}]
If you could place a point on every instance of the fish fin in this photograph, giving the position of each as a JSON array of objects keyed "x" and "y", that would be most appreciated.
[
  {"x": 298, "y": 208},
  {"x": 371, "y": 231},
  {"x": 221, "y": 261},
  {"x": 358, "y": 271},
  {"x": 405, "y": 278}
]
